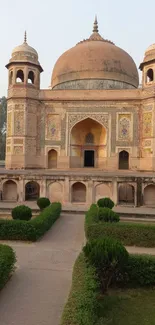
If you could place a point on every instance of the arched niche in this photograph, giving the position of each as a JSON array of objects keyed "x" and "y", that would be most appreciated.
[
  {"x": 126, "y": 194},
  {"x": 149, "y": 195},
  {"x": 52, "y": 159},
  {"x": 10, "y": 191},
  {"x": 78, "y": 192},
  {"x": 32, "y": 191},
  {"x": 88, "y": 140},
  {"x": 123, "y": 159},
  {"x": 55, "y": 190},
  {"x": 102, "y": 190}
]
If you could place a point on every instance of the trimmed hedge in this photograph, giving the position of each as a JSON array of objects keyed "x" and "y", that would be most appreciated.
[
  {"x": 21, "y": 212},
  {"x": 128, "y": 233},
  {"x": 33, "y": 229},
  {"x": 43, "y": 202},
  {"x": 7, "y": 262},
  {"x": 82, "y": 305},
  {"x": 105, "y": 202},
  {"x": 140, "y": 270}
]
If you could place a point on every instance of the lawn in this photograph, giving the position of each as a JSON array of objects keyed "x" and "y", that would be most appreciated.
[{"x": 128, "y": 307}]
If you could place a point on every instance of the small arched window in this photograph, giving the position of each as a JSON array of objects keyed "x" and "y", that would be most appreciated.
[
  {"x": 20, "y": 76},
  {"x": 89, "y": 139},
  {"x": 149, "y": 76},
  {"x": 31, "y": 77},
  {"x": 10, "y": 77}
]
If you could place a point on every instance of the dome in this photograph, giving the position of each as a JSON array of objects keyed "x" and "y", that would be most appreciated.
[
  {"x": 95, "y": 63},
  {"x": 24, "y": 53},
  {"x": 149, "y": 56}
]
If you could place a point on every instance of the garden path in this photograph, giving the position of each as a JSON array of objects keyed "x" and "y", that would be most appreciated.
[{"x": 37, "y": 291}]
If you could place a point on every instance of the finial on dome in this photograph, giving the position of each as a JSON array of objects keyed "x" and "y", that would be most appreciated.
[
  {"x": 25, "y": 37},
  {"x": 95, "y": 28}
]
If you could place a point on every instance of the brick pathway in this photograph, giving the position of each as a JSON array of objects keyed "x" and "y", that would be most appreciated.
[{"x": 36, "y": 293}]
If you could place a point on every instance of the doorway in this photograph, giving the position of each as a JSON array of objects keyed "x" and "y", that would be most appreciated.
[
  {"x": 89, "y": 158},
  {"x": 123, "y": 160}
]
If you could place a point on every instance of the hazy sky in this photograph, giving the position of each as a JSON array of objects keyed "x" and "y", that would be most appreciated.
[{"x": 53, "y": 26}]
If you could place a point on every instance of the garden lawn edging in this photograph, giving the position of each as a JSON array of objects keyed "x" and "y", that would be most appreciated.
[
  {"x": 33, "y": 229},
  {"x": 82, "y": 305},
  {"x": 7, "y": 263},
  {"x": 130, "y": 234}
]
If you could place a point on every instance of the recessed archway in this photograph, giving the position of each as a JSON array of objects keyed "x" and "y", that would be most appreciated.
[
  {"x": 126, "y": 194},
  {"x": 123, "y": 160},
  {"x": 88, "y": 140},
  {"x": 52, "y": 159},
  {"x": 9, "y": 191},
  {"x": 30, "y": 79},
  {"x": 78, "y": 192},
  {"x": 32, "y": 190},
  {"x": 149, "y": 195}
]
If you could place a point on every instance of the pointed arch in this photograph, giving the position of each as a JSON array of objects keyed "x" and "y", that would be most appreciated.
[
  {"x": 149, "y": 195},
  {"x": 78, "y": 193},
  {"x": 10, "y": 191},
  {"x": 32, "y": 191},
  {"x": 52, "y": 158},
  {"x": 88, "y": 140},
  {"x": 126, "y": 194},
  {"x": 55, "y": 191},
  {"x": 123, "y": 159},
  {"x": 20, "y": 76}
]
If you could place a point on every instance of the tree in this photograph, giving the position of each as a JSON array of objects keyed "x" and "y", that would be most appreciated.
[{"x": 3, "y": 114}]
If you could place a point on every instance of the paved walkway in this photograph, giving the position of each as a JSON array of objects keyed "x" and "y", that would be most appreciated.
[{"x": 37, "y": 292}]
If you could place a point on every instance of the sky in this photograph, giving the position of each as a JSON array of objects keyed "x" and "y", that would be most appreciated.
[{"x": 54, "y": 26}]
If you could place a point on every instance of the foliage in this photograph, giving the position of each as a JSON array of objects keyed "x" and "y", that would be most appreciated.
[
  {"x": 140, "y": 270},
  {"x": 131, "y": 234},
  {"x": 108, "y": 215},
  {"x": 106, "y": 255},
  {"x": 3, "y": 114},
  {"x": 33, "y": 229},
  {"x": 82, "y": 304},
  {"x": 105, "y": 202},
  {"x": 22, "y": 212},
  {"x": 43, "y": 202},
  {"x": 128, "y": 233},
  {"x": 7, "y": 262}
]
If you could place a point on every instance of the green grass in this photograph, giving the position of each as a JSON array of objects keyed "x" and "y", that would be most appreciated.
[{"x": 128, "y": 307}]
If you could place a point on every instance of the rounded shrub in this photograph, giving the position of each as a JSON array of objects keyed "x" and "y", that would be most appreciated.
[
  {"x": 43, "y": 202},
  {"x": 22, "y": 212},
  {"x": 108, "y": 256},
  {"x": 107, "y": 215},
  {"x": 105, "y": 202}
]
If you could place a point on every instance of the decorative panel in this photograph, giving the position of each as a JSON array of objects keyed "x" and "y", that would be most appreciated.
[
  {"x": 147, "y": 124},
  {"x": 18, "y": 150},
  {"x": 101, "y": 118},
  {"x": 8, "y": 149},
  {"x": 124, "y": 127},
  {"x": 53, "y": 127},
  {"x": 18, "y": 141},
  {"x": 9, "y": 124},
  {"x": 31, "y": 125},
  {"x": 18, "y": 123}
]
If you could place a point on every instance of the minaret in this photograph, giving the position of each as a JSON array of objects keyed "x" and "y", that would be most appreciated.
[{"x": 22, "y": 107}]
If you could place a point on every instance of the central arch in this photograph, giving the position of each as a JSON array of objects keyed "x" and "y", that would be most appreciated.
[{"x": 88, "y": 140}]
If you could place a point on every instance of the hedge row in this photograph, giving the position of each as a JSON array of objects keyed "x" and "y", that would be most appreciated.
[
  {"x": 33, "y": 229},
  {"x": 7, "y": 262},
  {"x": 82, "y": 304},
  {"x": 128, "y": 233},
  {"x": 82, "y": 307}
]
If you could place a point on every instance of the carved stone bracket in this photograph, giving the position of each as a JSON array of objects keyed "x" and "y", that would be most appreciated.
[{"x": 75, "y": 118}]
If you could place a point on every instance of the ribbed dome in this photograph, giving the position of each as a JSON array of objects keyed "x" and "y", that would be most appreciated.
[{"x": 95, "y": 63}]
